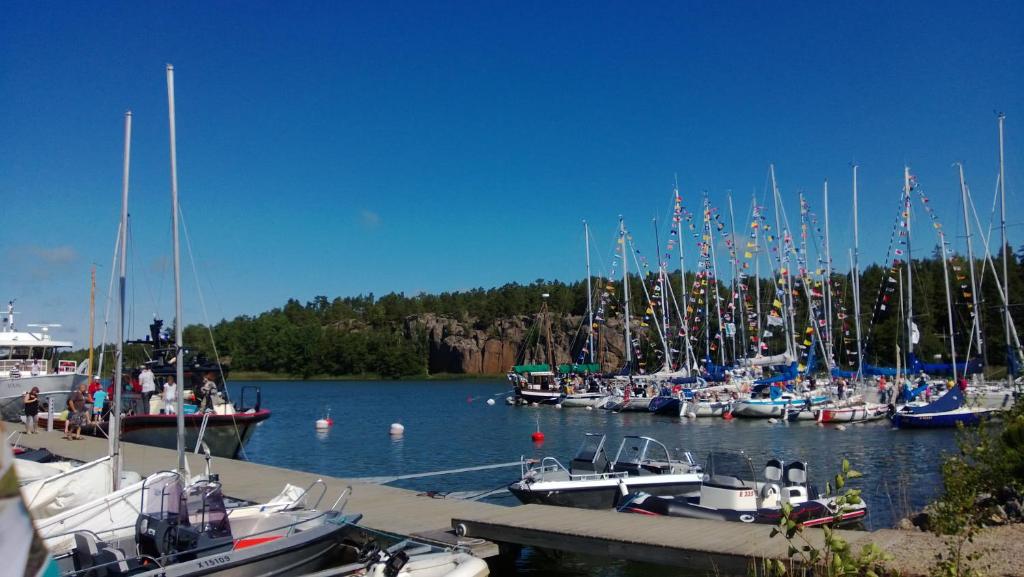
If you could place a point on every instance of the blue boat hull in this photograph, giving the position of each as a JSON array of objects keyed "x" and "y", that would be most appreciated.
[
  {"x": 670, "y": 406},
  {"x": 940, "y": 420}
]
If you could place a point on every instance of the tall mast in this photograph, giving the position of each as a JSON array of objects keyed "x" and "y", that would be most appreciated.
[
  {"x": 718, "y": 297},
  {"x": 678, "y": 215},
  {"x": 830, "y": 361},
  {"x": 784, "y": 272},
  {"x": 910, "y": 269},
  {"x": 1002, "y": 229},
  {"x": 739, "y": 308},
  {"x": 663, "y": 329},
  {"x": 975, "y": 308},
  {"x": 949, "y": 303},
  {"x": 856, "y": 280},
  {"x": 178, "y": 321},
  {"x": 625, "y": 294},
  {"x": 115, "y": 413},
  {"x": 757, "y": 278},
  {"x": 92, "y": 317},
  {"x": 590, "y": 305}
]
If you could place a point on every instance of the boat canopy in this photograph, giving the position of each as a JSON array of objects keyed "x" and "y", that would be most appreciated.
[
  {"x": 531, "y": 368},
  {"x": 951, "y": 401},
  {"x": 579, "y": 368}
]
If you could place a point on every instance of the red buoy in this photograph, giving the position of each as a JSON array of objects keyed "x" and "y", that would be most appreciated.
[
  {"x": 727, "y": 416},
  {"x": 538, "y": 437}
]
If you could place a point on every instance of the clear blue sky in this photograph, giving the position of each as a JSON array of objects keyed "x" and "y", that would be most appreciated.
[{"x": 340, "y": 148}]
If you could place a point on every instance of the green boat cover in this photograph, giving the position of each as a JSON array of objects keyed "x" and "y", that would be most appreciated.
[
  {"x": 585, "y": 368},
  {"x": 531, "y": 368}
]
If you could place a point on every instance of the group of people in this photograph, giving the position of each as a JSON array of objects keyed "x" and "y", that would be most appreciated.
[{"x": 90, "y": 404}]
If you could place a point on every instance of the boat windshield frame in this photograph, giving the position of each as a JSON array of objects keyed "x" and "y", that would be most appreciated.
[
  {"x": 736, "y": 464},
  {"x": 640, "y": 450},
  {"x": 588, "y": 451}
]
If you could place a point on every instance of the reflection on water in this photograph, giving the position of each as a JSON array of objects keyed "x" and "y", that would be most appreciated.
[{"x": 444, "y": 431}]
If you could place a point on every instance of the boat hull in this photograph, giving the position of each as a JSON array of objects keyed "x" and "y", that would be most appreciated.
[
  {"x": 810, "y": 514},
  {"x": 225, "y": 435},
  {"x": 671, "y": 406},
  {"x": 583, "y": 400},
  {"x": 52, "y": 388},
  {"x": 943, "y": 420},
  {"x": 853, "y": 414},
  {"x": 603, "y": 493},
  {"x": 763, "y": 409}
]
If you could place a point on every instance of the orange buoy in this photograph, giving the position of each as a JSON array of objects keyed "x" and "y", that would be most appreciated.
[{"x": 727, "y": 416}]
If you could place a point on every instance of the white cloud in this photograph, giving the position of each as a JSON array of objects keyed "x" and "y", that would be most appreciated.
[{"x": 55, "y": 255}]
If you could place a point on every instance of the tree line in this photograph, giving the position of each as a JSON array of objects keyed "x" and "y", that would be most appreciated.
[{"x": 370, "y": 335}]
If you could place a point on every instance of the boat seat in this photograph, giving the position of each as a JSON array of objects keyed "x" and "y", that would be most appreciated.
[
  {"x": 773, "y": 471},
  {"x": 87, "y": 547},
  {"x": 726, "y": 481},
  {"x": 796, "y": 473}
]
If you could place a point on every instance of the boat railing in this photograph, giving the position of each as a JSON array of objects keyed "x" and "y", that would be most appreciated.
[
  {"x": 298, "y": 500},
  {"x": 344, "y": 495},
  {"x": 553, "y": 465}
]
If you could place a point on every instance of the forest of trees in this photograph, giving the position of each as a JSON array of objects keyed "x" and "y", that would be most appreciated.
[{"x": 365, "y": 334}]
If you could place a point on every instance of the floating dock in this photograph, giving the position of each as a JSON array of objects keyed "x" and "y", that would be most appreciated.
[{"x": 698, "y": 545}]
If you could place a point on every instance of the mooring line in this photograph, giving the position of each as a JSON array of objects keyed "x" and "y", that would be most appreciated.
[{"x": 386, "y": 480}]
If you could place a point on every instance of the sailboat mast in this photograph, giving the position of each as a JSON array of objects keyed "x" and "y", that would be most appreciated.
[
  {"x": 178, "y": 321},
  {"x": 856, "y": 279},
  {"x": 949, "y": 303},
  {"x": 1002, "y": 229},
  {"x": 910, "y": 268},
  {"x": 757, "y": 276},
  {"x": 784, "y": 271},
  {"x": 663, "y": 290},
  {"x": 830, "y": 361},
  {"x": 737, "y": 300},
  {"x": 590, "y": 304},
  {"x": 92, "y": 316},
  {"x": 115, "y": 414},
  {"x": 975, "y": 308},
  {"x": 677, "y": 211},
  {"x": 625, "y": 294}
]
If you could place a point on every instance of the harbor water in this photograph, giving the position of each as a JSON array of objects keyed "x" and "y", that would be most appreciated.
[{"x": 449, "y": 425}]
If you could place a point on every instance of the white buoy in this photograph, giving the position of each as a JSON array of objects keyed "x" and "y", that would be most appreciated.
[
  {"x": 322, "y": 424},
  {"x": 510, "y": 401},
  {"x": 773, "y": 420},
  {"x": 397, "y": 429},
  {"x": 533, "y": 404},
  {"x": 589, "y": 408},
  {"x": 691, "y": 415},
  {"x": 558, "y": 405},
  {"x": 490, "y": 402},
  {"x": 840, "y": 427}
]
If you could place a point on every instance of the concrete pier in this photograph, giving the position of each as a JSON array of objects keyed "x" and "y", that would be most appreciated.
[{"x": 698, "y": 545}]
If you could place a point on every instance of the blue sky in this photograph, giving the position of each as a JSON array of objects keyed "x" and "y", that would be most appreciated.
[{"x": 340, "y": 148}]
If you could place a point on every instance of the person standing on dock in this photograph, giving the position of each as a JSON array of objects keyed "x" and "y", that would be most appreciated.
[
  {"x": 148, "y": 384},
  {"x": 32, "y": 410},
  {"x": 76, "y": 412}
]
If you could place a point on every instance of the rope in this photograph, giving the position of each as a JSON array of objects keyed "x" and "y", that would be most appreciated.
[{"x": 386, "y": 480}]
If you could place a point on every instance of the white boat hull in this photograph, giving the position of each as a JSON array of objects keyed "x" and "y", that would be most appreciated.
[{"x": 52, "y": 388}]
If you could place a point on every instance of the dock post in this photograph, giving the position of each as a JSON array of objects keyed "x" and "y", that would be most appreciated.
[{"x": 49, "y": 416}]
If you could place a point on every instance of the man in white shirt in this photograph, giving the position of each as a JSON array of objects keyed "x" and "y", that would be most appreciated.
[{"x": 148, "y": 384}]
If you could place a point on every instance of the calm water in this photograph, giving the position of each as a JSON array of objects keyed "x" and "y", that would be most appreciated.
[{"x": 448, "y": 425}]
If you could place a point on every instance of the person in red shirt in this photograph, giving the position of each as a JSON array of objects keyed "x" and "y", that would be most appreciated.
[{"x": 95, "y": 386}]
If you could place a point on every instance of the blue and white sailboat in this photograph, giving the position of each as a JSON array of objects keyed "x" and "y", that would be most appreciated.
[{"x": 946, "y": 411}]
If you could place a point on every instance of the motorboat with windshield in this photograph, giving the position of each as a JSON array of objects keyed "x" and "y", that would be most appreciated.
[
  {"x": 592, "y": 481},
  {"x": 729, "y": 492}
]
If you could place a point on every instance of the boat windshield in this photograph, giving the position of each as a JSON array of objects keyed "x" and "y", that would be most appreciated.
[
  {"x": 635, "y": 450},
  {"x": 734, "y": 464},
  {"x": 592, "y": 446},
  {"x": 163, "y": 497},
  {"x": 204, "y": 502}
]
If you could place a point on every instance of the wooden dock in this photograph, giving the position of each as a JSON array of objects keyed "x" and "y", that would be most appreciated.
[{"x": 701, "y": 546}]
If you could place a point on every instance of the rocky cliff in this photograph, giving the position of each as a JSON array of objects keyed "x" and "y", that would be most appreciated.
[{"x": 470, "y": 347}]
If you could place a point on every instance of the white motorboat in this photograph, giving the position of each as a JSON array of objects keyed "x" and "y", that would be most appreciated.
[
  {"x": 593, "y": 482},
  {"x": 29, "y": 359}
]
